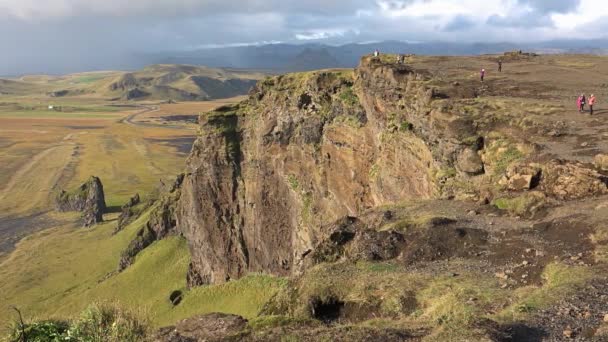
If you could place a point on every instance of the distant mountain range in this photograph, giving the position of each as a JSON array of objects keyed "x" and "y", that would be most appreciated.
[
  {"x": 154, "y": 82},
  {"x": 178, "y": 82},
  {"x": 289, "y": 57}
]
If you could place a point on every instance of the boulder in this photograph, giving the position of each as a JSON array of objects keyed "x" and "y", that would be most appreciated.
[
  {"x": 88, "y": 198},
  {"x": 522, "y": 177},
  {"x": 470, "y": 162},
  {"x": 601, "y": 162}
]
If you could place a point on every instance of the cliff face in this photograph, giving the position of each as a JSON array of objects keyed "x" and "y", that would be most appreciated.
[
  {"x": 304, "y": 150},
  {"x": 267, "y": 177}
]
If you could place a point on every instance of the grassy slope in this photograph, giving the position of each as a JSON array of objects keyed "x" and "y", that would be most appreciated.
[{"x": 57, "y": 273}]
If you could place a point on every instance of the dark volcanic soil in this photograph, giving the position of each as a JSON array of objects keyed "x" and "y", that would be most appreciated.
[{"x": 13, "y": 229}]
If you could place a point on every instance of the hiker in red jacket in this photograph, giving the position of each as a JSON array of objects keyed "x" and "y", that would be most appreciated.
[
  {"x": 579, "y": 103},
  {"x": 591, "y": 103}
]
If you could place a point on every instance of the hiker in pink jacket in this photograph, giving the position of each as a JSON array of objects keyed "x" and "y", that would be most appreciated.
[{"x": 579, "y": 103}]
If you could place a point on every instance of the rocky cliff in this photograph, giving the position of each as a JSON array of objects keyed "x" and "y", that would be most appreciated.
[
  {"x": 304, "y": 150},
  {"x": 267, "y": 178},
  {"x": 88, "y": 198}
]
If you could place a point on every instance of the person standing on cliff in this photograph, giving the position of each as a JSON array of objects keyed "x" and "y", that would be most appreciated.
[
  {"x": 483, "y": 74},
  {"x": 591, "y": 103},
  {"x": 583, "y": 102},
  {"x": 376, "y": 53},
  {"x": 499, "y": 65}
]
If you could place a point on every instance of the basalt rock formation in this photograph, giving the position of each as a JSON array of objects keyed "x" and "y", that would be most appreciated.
[{"x": 88, "y": 199}]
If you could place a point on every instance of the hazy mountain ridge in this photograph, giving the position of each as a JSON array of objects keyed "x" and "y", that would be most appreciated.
[
  {"x": 286, "y": 57},
  {"x": 154, "y": 82}
]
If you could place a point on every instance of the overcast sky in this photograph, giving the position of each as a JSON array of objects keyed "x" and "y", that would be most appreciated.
[{"x": 39, "y": 33}]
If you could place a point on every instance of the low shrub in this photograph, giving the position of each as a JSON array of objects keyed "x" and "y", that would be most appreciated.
[{"x": 98, "y": 323}]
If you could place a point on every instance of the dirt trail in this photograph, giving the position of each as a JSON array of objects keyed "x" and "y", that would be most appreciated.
[{"x": 585, "y": 136}]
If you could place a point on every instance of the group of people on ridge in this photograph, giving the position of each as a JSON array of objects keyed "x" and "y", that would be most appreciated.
[
  {"x": 582, "y": 101},
  {"x": 482, "y": 73},
  {"x": 400, "y": 57}
]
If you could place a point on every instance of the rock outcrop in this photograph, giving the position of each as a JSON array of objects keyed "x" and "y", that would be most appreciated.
[
  {"x": 601, "y": 162},
  {"x": 128, "y": 213},
  {"x": 558, "y": 179},
  {"x": 161, "y": 224},
  {"x": 301, "y": 152},
  {"x": 88, "y": 198}
]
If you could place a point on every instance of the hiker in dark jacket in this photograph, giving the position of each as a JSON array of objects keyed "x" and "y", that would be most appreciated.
[
  {"x": 499, "y": 65},
  {"x": 583, "y": 102}
]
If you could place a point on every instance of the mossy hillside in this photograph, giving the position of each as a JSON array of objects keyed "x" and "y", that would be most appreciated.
[
  {"x": 50, "y": 273},
  {"x": 58, "y": 273}
]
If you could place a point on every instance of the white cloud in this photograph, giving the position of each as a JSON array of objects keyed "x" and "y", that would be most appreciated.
[
  {"x": 319, "y": 34},
  {"x": 588, "y": 12}
]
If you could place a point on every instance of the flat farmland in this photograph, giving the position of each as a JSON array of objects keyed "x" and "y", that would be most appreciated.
[{"x": 45, "y": 150}]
